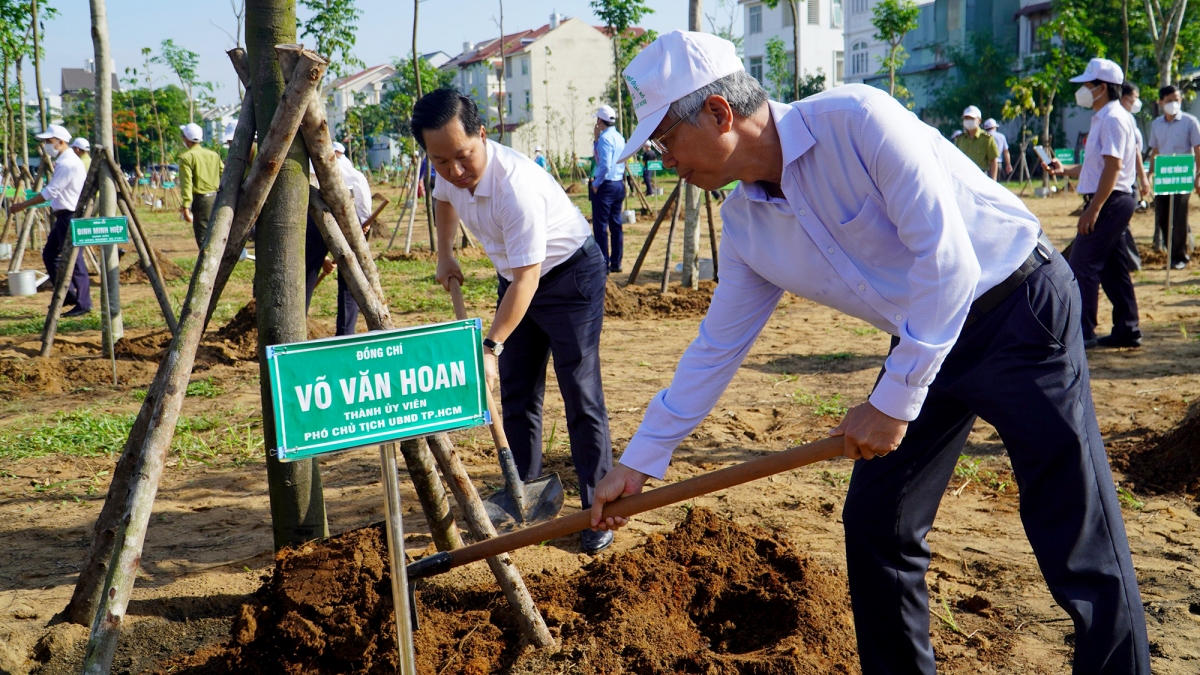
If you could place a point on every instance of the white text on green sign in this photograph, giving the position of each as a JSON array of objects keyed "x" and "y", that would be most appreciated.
[
  {"x": 99, "y": 231},
  {"x": 345, "y": 392},
  {"x": 1174, "y": 174}
]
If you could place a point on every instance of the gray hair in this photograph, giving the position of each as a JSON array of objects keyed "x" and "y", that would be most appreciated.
[{"x": 744, "y": 94}]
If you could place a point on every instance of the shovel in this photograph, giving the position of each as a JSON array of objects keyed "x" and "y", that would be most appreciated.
[{"x": 520, "y": 503}]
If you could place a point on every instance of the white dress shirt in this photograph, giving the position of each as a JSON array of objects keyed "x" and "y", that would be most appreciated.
[
  {"x": 66, "y": 183},
  {"x": 1110, "y": 135},
  {"x": 1001, "y": 142},
  {"x": 360, "y": 189},
  {"x": 883, "y": 219},
  {"x": 519, "y": 214}
]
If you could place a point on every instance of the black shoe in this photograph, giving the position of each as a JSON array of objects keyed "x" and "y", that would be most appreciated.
[
  {"x": 78, "y": 311},
  {"x": 595, "y": 541},
  {"x": 615, "y": 270},
  {"x": 1089, "y": 343},
  {"x": 1119, "y": 341}
]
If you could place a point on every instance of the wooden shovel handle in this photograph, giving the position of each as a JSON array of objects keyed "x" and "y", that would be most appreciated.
[
  {"x": 497, "y": 426},
  {"x": 826, "y": 448}
]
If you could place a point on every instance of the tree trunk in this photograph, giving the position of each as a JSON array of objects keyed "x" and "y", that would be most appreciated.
[
  {"x": 795, "y": 47},
  {"x": 107, "y": 194},
  {"x": 427, "y": 178},
  {"x": 297, "y": 503},
  {"x": 892, "y": 72},
  {"x": 1125, "y": 33},
  {"x": 617, "y": 79},
  {"x": 21, "y": 112},
  {"x": 9, "y": 165},
  {"x": 691, "y": 195},
  {"x": 37, "y": 65}
]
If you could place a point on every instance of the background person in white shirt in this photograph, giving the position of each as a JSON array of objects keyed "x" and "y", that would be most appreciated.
[
  {"x": 63, "y": 194},
  {"x": 1174, "y": 133},
  {"x": 551, "y": 294},
  {"x": 316, "y": 253},
  {"x": 993, "y": 130},
  {"x": 848, "y": 199},
  {"x": 1106, "y": 177}
]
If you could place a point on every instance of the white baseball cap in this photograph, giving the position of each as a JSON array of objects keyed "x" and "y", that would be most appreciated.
[
  {"x": 1103, "y": 70},
  {"x": 972, "y": 111},
  {"x": 192, "y": 132},
  {"x": 990, "y": 123},
  {"x": 55, "y": 131},
  {"x": 338, "y": 147},
  {"x": 607, "y": 114},
  {"x": 229, "y": 131},
  {"x": 82, "y": 144},
  {"x": 673, "y": 66}
]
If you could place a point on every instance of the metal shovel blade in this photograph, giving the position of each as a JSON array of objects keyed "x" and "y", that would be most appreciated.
[{"x": 543, "y": 499}]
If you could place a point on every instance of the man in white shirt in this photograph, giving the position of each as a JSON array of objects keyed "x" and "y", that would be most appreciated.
[
  {"x": 1174, "y": 133},
  {"x": 63, "y": 194},
  {"x": 1106, "y": 177},
  {"x": 551, "y": 294},
  {"x": 848, "y": 199},
  {"x": 993, "y": 130}
]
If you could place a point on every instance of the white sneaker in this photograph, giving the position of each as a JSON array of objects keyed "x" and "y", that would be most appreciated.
[{"x": 1179, "y": 265}]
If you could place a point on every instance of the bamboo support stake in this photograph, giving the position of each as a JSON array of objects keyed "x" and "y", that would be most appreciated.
[
  {"x": 667, "y": 257},
  {"x": 124, "y": 193},
  {"x": 412, "y": 214},
  {"x": 27, "y": 224},
  {"x": 146, "y": 261},
  {"x": 712, "y": 233},
  {"x": 637, "y": 266}
]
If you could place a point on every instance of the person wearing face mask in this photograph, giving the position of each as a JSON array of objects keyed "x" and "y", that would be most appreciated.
[
  {"x": 977, "y": 144},
  {"x": 993, "y": 130},
  {"x": 551, "y": 287},
  {"x": 1105, "y": 178},
  {"x": 63, "y": 194},
  {"x": 1131, "y": 100},
  {"x": 1174, "y": 133}
]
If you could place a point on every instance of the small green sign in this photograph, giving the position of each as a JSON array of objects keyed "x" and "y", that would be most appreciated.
[
  {"x": 654, "y": 165},
  {"x": 99, "y": 231},
  {"x": 355, "y": 390},
  {"x": 1174, "y": 174},
  {"x": 635, "y": 168},
  {"x": 1064, "y": 155},
  {"x": 30, "y": 194},
  {"x": 143, "y": 181},
  {"x": 169, "y": 184},
  {"x": 10, "y": 192}
]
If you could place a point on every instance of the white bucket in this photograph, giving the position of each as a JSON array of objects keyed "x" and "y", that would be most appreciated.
[
  {"x": 1041, "y": 192},
  {"x": 628, "y": 217},
  {"x": 706, "y": 270},
  {"x": 25, "y": 282},
  {"x": 158, "y": 203},
  {"x": 5, "y": 251}
]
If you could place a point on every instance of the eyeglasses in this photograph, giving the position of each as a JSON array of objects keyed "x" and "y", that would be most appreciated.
[{"x": 657, "y": 143}]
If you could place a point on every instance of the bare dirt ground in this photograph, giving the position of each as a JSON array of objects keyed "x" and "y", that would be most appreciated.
[{"x": 209, "y": 545}]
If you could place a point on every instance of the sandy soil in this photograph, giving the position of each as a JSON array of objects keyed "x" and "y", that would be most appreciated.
[{"x": 209, "y": 545}]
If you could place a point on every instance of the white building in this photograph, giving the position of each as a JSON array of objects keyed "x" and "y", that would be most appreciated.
[
  {"x": 555, "y": 77},
  {"x": 864, "y": 53},
  {"x": 214, "y": 121},
  {"x": 821, "y": 43},
  {"x": 362, "y": 88}
]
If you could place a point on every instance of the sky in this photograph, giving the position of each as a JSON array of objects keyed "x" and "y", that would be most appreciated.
[{"x": 384, "y": 31}]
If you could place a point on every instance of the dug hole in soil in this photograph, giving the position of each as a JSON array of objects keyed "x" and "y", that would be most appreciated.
[
  {"x": 709, "y": 597},
  {"x": 1166, "y": 463}
]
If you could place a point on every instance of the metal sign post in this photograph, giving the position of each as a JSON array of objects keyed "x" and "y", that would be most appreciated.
[
  {"x": 1173, "y": 175},
  {"x": 345, "y": 392},
  {"x": 102, "y": 232}
]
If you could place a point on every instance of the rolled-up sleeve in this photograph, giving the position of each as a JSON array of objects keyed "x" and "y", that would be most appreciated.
[
  {"x": 921, "y": 203},
  {"x": 741, "y": 305}
]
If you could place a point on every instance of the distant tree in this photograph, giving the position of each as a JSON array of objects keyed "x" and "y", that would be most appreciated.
[
  {"x": 725, "y": 29},
  {"x": 982, "y": 69},
  {"x": 334, "y": 26},
  {"x": 616, "y": 91},
  {"x": 893, "y": 19},
  {"x": 619, "y": 16},
  {"x": 778, "y": 72},
  {"x": 794, "y": 8},
  {"x": 184, "y": 62}
]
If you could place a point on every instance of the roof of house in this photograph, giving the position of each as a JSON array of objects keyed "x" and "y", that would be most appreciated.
[
  {"x": 385, "y": 69},
  {"x": 79, "y": 79},
  {"x": 513, "y": 43}
]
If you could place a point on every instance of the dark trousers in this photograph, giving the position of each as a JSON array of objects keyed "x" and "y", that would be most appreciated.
[
  {"x": 606, "y": 220},
  {"x": 314, "y": 255},
  {"x": 648, "y": 177},
  {"x": 564, "y": 319},
  {"x": 1029, "y": 352},
  {"x": 79, "y": 292},
  {"x": 1098, "y": 260},
  {"x": 202, "y": 207},
  {"x": 1179, "y": 238}
]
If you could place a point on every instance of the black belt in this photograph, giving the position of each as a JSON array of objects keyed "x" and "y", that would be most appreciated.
[
  {"x": 998, "y": 293},
  {"x": 588, "y": 245}
]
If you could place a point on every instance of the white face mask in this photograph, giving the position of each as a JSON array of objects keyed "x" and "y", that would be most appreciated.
[
  {"x": 1083, "y": 97},
  {"x": 51, "y": 150},
  {"x": 970, "y": 124},
  {"x": 1136, "y": 107},
  {"x": 1172, "y": 108}
]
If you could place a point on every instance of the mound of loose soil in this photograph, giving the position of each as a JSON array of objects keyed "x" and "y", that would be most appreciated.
[
  {"x": 645, "y": 302},
  {"x": 56, "y": 375},
  {"x": 240, "y": 336},
  {"x": 1166, "y": 463},
  {"x": 148, "y": 347},
  {"x": 134, "y": 274},
  {"x": 710, "y": 597},
  {"x": 1151, "y": 258}
]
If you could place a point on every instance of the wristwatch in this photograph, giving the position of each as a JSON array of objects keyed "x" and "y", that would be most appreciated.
[{"x": 491, "y": 344}]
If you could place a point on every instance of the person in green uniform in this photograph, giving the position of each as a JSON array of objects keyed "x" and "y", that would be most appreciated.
[
  {"x": 83, "y": 150},
  {"x": 977, "y": 143},
  {"x": 199, "y": 177}
]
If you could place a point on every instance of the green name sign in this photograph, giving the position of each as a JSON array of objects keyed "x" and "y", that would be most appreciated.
[
  {"x": 654, "y": 165},
  {"x": 1064, "y": 155},
  {"x": 1174, "y": 174},
  {"x": 99, "y": 231},
  {"x": 355, "y": 390},
  {"x": 143, "y": 181},
  {"x": 30, "y": 194},
  {"x": 635, "y": 168},
  {"x": 10, "y": 192},
  {"x": 169, "y": 184}
]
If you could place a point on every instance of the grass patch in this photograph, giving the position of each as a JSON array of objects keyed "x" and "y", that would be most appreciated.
[
  {"x": 834, "y": 406},
  {"x": 836, "y": 356},
  {"x": 1129, "y": 500},
  {"x": 970, "y": 470},
  {"x": 1183, "y": 290},
  {"x": 203, "y": 388}
]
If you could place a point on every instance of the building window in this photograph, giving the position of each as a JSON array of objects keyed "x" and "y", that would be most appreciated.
[
  {"x": 835, "y": 14},
  {"x": 858, "y": 6},
  {"x": 525, "y": 66},
  {"x": 508, "y": 103},
  {"x": 508, "y": 67},
  {"x": 1036, "y": 44},
  {"x": 858, "y": 58},
  {"x": 755, "y": 19},
  {"x": 756, "y": 70},
  {"x": 814, "y": 12},
  {"x": 499, "y": 73},
  {"x": 789, "y": 18},
  {"x": 839, "y": 67},
  {"x": 528, "y": 101}
]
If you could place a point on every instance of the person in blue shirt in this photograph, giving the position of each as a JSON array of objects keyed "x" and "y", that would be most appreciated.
[
  {"x": 850, "y": 200},
  {"x": 539, "y": 158},
  {"x": 608, "y": 188}
]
